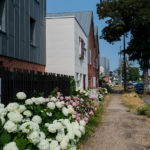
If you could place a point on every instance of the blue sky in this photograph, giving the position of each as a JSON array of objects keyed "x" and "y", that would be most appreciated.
[{"x": 106, "y": 50}]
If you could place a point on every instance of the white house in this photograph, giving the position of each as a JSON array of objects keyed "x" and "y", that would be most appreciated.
[{"x": 67, "y": 48}]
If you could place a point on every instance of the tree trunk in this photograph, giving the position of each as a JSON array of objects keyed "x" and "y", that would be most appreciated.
[{"x": 145, "y": 79}]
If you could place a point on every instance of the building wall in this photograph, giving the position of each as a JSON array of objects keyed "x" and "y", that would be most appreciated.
[
  {"x": 81, "y": 65},
  {"x": 60, "y": 46},
  {"x": 12, "y": 64},
  {"x": 91, "y": 70},
  {"x": 97, "y": 60},
  {"x": 15, "y": 38}
]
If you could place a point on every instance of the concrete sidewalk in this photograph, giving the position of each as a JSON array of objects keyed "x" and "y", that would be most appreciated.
[{"x": 120, "y": 130}]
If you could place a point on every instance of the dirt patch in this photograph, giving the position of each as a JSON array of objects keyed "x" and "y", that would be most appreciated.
[{"x": 120, "y": 130}]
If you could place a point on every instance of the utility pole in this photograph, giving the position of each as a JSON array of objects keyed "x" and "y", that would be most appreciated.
[
  {"x": 120, "y": 62},
  {"x": 124, "y": 54}
]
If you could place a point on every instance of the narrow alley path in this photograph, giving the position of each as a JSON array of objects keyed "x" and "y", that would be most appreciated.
[{"x": 120, "y": 130}]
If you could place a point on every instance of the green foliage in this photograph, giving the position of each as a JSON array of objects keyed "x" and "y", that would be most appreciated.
[
  {"x": 72, "y": 86},
  {"x": 38, "y": 94},
  {"x": 21, "y": 142},
  {"x": 54, "y": 92},
  {"x": 128, "y": 16},
  {"x": 93, "y": 122},
  {"x": 5, "y": 138},
  {"x": 144, "y": 110}
]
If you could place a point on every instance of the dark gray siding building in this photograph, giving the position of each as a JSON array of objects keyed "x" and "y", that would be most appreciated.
[{"x": 22, "y": 30}]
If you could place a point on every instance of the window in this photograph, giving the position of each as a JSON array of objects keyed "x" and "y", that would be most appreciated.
[
  {"x": 2, "y": 15},
  {"x": 89, "y": 57},
  {"x": 37, "y": 1},
  {"x": 81, "y": 48},
  {"x": 32, "y": 31}
]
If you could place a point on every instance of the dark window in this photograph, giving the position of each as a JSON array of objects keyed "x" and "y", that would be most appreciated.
[
  {"x": 2, "y": 15},
  {"x": 32, "y": 31},
  {"x": 37, "y": 1}
]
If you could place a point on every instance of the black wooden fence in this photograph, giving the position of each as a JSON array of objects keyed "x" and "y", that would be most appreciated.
[{"x": 29, "y": 82}]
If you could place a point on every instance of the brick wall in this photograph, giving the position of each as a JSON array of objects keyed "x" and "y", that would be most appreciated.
[
  {"x": 92, "y": 71},
  {"x": 12, "y": 64}
]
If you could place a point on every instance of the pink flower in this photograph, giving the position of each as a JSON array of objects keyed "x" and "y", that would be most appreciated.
[
  {"x": 81, "y": 93},
  {"x": 67, "y": 97},
  {"x": 93, "y": 98},
  {"x": 67, "y": 103},
  {"x": 88, "y": 105},
  {"x": 95, "y": 109},
  {"x": 96, "y": 105},
  {"x": 74, "y": 104},
  {"x": 71, "y": 101},
  {"x": 75, "y": 98},
  {"x": 86, "y": 119},
  {"x": 61, "y": 98},
  {"x": 81, "y": 100},
  {"x": 91, "y": 113},
  {"x": 75, "y": 113}
]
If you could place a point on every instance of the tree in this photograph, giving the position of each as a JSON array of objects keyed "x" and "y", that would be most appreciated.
[{"x": 125, "y": 16}]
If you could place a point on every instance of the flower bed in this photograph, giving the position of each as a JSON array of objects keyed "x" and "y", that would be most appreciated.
[{"x": 54, "y": 123}]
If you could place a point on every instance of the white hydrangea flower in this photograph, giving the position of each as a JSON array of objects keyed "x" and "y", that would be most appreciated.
[
  {"x": 15, "y": 117},
  {"x": 70, "y": 135},
  {"x": 22, "y": 108},
  {"x": 54, "y": 145},
  {"x": 57, "y": 125},
  {"x": 27, "y": 113},
  {"x": 37, "y": 119},
  {"x": 29, "y": 126},
  {"x": 42, "y": 135},
  {"x": 82, "y": 123},
  {"x": 51, "y": 128},
  {"x": 64, "y": 143},
  {"x": 3, "y": 112},
  {"x": 51, "y": 105},
  {"x": 29, "y": 102},
  {"x": 2, "y": 120},
  {"x": 21, "y": 95},
  {"x": 43, "y": 145},
  {"x": 10, "y": 126},
  {"x": 53, "y": 99},
  {"x": 77, "y": 133},
  {"x": 49, "y": 114},
  {"x": 70, "y": 109},
  {"x": 39, "y": 100},
  {"x": 65, "y": 111},
  {"x": 10, "y": 146},
  {"x": 26, "y": 120},
  {"x": 2, "y": 106},
  {"x": 60, "y": 137},
  {"x": 59, "y": 104},
  {"x": 82, "y": 129},
  {"x": 12, "y": 107},
  {"x": 34, "y": 137}
]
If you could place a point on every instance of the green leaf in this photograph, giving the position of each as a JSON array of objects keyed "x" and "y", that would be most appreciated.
[
  {"x": 21, "y": 143},
  {"x": 5, "y": 138}
]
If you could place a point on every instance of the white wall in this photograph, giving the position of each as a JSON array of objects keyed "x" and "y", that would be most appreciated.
[
  {"x": 63, "y": 46},
  {"x": 81, "y": 65},
  {"x": 60, "y": 45}
]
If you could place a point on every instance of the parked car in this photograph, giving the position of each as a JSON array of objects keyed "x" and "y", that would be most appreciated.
[
  {"x": 139, "y": 87},
  {"x": 130, "y": 86}
]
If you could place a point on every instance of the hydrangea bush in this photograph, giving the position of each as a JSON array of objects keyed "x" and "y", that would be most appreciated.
[
  {"x": 44, "y": 124},
  {"x": 53, "y": 123}
]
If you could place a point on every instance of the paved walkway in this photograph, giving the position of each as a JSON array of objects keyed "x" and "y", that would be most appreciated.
[
  {"x": 147, "y": 99},
  {"x": 120, "y": 130}
]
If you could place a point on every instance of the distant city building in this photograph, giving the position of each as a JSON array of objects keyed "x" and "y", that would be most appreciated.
[{"x": 104, "y": 66}]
